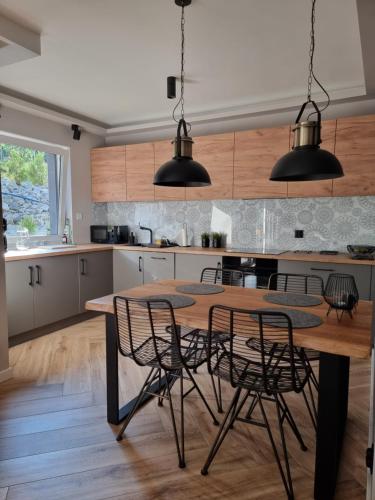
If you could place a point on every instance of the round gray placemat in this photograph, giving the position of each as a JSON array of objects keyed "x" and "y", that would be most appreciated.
[
  {"x": 200, "y": 289},
  {"x": 293, "y": 299},
  {"x": 177, "y": 301},
  {"x": 300, "y": 319}
]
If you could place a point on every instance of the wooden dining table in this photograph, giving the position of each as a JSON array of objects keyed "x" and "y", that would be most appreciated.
[{"x": 337, "y": 341}]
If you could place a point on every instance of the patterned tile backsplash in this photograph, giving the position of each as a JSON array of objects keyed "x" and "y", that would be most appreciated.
[{"x": 328, "y": 223}]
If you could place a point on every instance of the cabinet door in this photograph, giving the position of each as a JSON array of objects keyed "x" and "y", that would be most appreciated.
[
  {"x": 108, "y": 176},
  {"x": 355, "y": 148},
  {"x": 189, "y": 267},
  {"x": 127, "y": 270},
  {"x": 158, "y": 266},
  {"x": 164, "y": 151},
  {"x": 361, "y": 273},
  {"x": 316, "y": 188},
  {"x": 255, "y": 154},
  {"x": 215, "y": 153},
  {"x": 95, "y": 276},
  {"x": 20, "y": 296},
  {"x": 140, "y": 165},
  {"x": 56, "y": 289}
]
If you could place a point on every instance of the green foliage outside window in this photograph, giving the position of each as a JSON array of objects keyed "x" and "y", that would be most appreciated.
[
  {"x": 23, "y": 164},
  {"x": 28, "y": 223}
]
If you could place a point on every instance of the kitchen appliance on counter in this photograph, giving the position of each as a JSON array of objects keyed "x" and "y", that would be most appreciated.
[
  {"x": 109, "y": 234},
  {"x": 361, "y": 252}
]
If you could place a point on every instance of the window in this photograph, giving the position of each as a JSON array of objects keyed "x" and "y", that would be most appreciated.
[{"x": 30, "y": 185}]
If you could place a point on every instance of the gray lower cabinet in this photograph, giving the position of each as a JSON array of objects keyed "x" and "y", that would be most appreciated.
[
  {"x": 158, "y": 266},
  {"x": 20, "y": 296},
  {"x": 55, "y": 289},
  {"x": 127, "y": 269},
  {"x": 95, "y": 276},
  {"x": 361, "y": 273},
  {"x": 189, "y": 266},
  {"x": 40, "y": 292}
]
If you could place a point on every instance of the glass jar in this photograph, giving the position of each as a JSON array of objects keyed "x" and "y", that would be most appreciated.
[{"x": 22, "y": 242}]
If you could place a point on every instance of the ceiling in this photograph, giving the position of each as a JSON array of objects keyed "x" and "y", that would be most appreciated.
[{"x": 108, "y": 60}]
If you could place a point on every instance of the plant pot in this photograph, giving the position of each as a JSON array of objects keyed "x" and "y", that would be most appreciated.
[
  {"x": 216, "y": 243},
  {"x": 205, "y": 242}
]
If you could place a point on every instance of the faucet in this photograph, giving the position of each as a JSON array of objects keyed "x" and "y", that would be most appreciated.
[{"x": 146, "y": 229}]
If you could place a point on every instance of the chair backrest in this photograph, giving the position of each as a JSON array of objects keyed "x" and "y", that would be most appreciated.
[
  {"x": 297, "y": 283},
  {"x": 222, "y": 276},
  {"x": 147, "y": 332},
  {"x": 259, "y": 342}
]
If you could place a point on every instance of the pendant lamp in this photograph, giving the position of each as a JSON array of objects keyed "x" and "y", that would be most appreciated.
[
  {"x": 182, "y": 170},
  {"x": 306, "y": 161}
]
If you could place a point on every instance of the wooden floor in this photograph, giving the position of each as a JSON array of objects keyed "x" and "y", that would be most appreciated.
[{"x": 55, "y": 442}]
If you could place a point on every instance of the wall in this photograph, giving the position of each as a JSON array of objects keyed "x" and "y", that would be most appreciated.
[
  {"x": 40, "y": 129},
  {"x": 328, "y": 223}
]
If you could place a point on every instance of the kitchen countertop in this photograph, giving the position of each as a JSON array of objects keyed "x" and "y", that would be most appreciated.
[
  {"x": 36, "y": 252},
  {"x": 32, "y": 253},
  {"x": 341, "y": 258}
]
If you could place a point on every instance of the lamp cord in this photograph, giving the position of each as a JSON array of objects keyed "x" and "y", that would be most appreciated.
[
  {"x": 312, "y": 76},
  {"x": 181, "y": 100}
]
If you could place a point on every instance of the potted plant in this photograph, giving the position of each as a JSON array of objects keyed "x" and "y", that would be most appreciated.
[
  {"x": 216, "y": 240},
  {"x": 205, "y": 238}
]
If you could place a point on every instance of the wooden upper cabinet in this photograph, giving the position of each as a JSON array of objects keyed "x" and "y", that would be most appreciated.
[
  {"x": 255, "y": 154},
  {"x": 108, "y": 174},
  {"x": 215, "y": 153},
  {"x": 140, "y": 164},
  {"x": 355, "y": 148},
  {"x": 316, "y": 188},
  {"x": 164, "y": 151}
]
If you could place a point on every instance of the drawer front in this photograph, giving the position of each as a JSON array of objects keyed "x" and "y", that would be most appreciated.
[
  {"x": 189, "y": 267},
  {"x": 362, "y": 274},
  {"x": 158, "y": 266}
]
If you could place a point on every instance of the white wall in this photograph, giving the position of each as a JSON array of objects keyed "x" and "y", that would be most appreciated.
[{"x": 40, "y": 129}]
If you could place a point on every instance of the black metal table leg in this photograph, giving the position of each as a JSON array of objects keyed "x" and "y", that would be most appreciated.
[
  {"x": 115, "y": 414},
  {"x": 332, "y": 414}
]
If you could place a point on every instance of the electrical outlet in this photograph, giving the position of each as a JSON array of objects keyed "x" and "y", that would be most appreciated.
[{"x": 298, "y": 233}]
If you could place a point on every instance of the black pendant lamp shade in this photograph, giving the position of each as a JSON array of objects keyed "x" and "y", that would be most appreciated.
[
  {"x": 182, "y": 170},
  {"x": 307, "y": 162}
]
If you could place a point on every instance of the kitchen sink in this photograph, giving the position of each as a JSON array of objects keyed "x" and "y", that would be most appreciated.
[{"x": 56, "y": 247}]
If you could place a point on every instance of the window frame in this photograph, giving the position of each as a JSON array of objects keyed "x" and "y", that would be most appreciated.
[{"x": 64, "y": 153}]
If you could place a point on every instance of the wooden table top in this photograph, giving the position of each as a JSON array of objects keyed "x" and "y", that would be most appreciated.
[{"x": 348, "y": 337}]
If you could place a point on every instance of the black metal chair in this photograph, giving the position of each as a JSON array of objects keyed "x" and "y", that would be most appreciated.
[
  {"x": 261, "y": 363},
  {"x": 147, "y": 333},
  {"x": 216, "y": 276},
  {"x": 305, "y": 284}
]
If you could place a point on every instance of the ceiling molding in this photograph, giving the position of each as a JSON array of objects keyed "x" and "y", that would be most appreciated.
[
  {"x": 48, "y": 111},
  {"x": 17, "y": 42},
  {"x": 238, "y": 111}
]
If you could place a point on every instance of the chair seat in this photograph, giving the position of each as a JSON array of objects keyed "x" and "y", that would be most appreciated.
[
  {"x": 192, "y": 354},
  {"x": 201, "y": 336},
  {"x": 309, "y": 354},
  {"x": 248, "y": 373}
]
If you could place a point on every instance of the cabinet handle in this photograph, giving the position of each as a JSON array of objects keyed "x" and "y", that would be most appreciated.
[
  {"x": 321, "y": 269},
  {"x": 82, "y": 262},
  {"x": 159, "y": 258},
  {"x": 38, "y": 280},
  {"x": 219, "y": 265},
  {"x": 31, "y": 276},
  {"x": 139, "y": 264}
]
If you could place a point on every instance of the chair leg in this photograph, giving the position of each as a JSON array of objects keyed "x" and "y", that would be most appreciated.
[
  {"x": 223, "y": 431},
  {"x": 180, "y": 450},
  {"x": 202, "y": 396},
  {"x": 291, "y": 422},
  {"x": 286, "y": 480},
  {"x": 217, "y": 394},
  {"x": 150, "y": 378}
]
